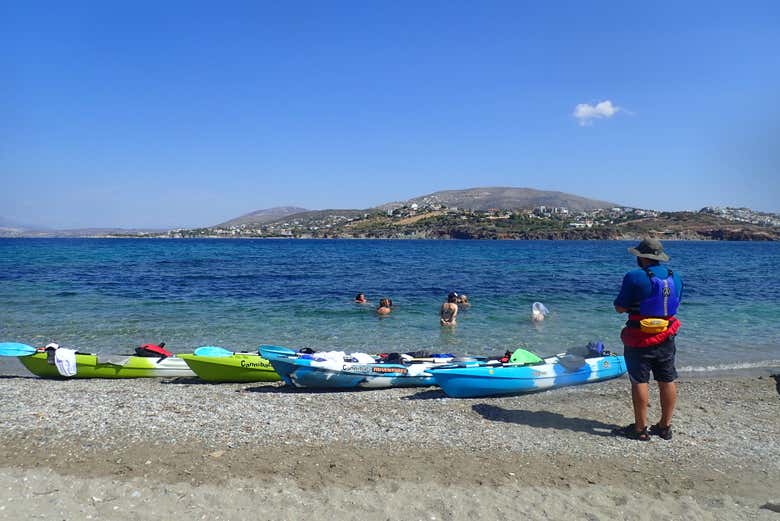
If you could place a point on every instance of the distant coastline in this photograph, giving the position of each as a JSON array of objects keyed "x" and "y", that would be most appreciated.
[
  {"x": 332, "y": 238},
  {"x": 533, "y": 224},
  {"x": 491, "y": 213}
]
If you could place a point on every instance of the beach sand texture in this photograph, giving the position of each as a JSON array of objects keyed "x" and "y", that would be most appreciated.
[{"x": 180, "y": 449}]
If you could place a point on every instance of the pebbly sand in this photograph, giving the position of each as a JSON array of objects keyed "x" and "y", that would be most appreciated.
[{"x": 157, "y": 449}]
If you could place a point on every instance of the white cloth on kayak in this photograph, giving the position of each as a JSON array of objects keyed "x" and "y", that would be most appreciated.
[
  {"x": 65, "y": 360},
  {"x": 336, "y": 356},
  {"x": 417, "y": 369},
  {"x": 363, "y": 358},
  {"x": 334, "y": 360}
]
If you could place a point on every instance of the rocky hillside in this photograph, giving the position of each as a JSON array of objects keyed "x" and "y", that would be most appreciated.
[
  {"x": 435, "y": 222},
  {"x": 502, "y": 198},
  {"x": 263, "y": 216}
]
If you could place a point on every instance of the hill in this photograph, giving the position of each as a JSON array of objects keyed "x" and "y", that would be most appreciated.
[
  {"x": 476, "y": 213},
  {"x": 476, "y": 199},
  {"x": 262, "y": 216},
  {"x": 434, "y": 221},
  {"x": 488, "y": 198},
  {"x": 12, "y": 228}
]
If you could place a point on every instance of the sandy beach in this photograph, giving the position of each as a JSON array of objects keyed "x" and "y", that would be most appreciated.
[{"x": 157, "y": 449}]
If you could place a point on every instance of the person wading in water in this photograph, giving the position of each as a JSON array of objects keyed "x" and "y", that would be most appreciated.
[{"x": 449, "y": 310}]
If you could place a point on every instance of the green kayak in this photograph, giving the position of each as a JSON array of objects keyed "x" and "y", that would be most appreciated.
[
  {"x": 238, "y": 367},
  {"x": 94, "y": 366}
]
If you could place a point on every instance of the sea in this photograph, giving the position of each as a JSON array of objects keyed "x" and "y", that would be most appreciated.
[{"x": 111, "y": 295}]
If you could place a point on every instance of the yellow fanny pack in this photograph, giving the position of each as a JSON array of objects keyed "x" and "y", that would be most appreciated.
[{"x": 653, "y": 325}]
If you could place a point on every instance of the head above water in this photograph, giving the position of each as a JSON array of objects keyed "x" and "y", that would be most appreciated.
[
  {"x": 650, "y": 248},
  {"x": 452, "y": 297}
]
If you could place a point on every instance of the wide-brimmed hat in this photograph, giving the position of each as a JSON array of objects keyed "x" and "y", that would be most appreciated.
[{"x": 650, "y": 249}]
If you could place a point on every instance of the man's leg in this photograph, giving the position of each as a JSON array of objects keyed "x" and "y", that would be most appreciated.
[
  {"x": 640, "y": 398},
  {"x": 668, "y": 400},
  {"x": 665, "y": 374}
]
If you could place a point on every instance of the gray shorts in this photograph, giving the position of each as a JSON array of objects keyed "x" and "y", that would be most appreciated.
[{"x": 659, "y": 359}]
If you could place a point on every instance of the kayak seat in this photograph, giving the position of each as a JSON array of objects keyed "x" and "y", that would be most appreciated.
[{"x": 572, "y": 362}]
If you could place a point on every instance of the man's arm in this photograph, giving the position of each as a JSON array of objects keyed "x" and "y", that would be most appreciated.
[{"x": 625, "y": 297}]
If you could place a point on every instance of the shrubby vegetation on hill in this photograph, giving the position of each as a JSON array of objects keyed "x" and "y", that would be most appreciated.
[
  {"x": 476, "y": 213},
  {"x": 439, "y": 222}
]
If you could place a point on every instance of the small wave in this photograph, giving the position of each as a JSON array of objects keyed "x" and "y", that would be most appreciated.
[
  {"x": 66, "y": 294},
  {"x": 739, "y": 366}
]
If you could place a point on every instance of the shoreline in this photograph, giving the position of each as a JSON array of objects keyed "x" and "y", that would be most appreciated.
[
  {"x": 155, "y": 448},
  {"x": 624, "y": 238}
]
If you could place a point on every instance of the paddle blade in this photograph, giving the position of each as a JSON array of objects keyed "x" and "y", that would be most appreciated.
[
  {"x": 213, "y": 351},
  {"x": 15, "y": 349},
  {"x": 275, "y": 350}
]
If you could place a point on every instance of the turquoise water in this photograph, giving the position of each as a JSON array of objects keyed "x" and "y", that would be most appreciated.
[{"x": 111, "y": 295}]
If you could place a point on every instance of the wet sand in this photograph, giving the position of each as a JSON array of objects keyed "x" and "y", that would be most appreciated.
[{"x": 156, "y": 449}]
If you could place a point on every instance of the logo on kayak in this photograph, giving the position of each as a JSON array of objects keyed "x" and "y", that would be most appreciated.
[
  {"x": 356, "y": 368},
  {"x": 605, "y": 364},
  {"x": 255, "y": 365},
  {"x": 396, "y": 370}
]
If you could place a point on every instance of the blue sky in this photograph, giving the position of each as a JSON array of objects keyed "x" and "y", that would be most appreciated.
[{"x": 167, "y": 114}]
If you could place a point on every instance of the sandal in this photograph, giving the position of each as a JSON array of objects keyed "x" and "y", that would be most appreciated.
[
  {"x": 630, "y": 432},
  {"x": 665, "y": 433}
]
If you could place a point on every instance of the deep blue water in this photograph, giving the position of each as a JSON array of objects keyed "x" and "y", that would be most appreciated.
[{"x": 111, "y": 295}]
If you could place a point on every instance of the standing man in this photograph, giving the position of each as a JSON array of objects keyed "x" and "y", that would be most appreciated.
[{"x": 650, "y": 295}]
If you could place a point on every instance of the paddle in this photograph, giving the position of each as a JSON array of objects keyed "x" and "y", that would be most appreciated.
[
  {"x": 15, "y": 349},
  {"x": 276, "y": 350},
  {"x": 213, "y": 351}
]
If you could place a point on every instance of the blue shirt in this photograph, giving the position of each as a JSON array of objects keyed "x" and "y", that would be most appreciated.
[{"x": 636, "y": 287}]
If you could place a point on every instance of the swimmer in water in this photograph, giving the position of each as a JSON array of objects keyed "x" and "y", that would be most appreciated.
[{"x": 449, "y": 310}]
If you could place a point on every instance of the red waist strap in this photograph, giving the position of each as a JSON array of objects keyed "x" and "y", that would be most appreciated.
[{"x": 634, "y": 337}]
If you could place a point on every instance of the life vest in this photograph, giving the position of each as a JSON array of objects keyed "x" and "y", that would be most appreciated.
[
  {"x": 152, "y": 350},
  {"x": 652, "y": 321},
  {"x": 663, "y": 300}
]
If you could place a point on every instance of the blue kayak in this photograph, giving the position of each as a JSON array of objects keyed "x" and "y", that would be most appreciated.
[
  {"x": 310, "y": 371},
  {"x": 472, "y": 380}
]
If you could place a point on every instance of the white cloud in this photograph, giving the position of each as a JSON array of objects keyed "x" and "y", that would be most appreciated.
[{"x": 585, "y": 113}]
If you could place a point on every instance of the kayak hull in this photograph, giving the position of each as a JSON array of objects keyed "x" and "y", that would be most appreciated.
[
  {"x": 89, "y": 366},
  {"x": 498, "y": 380},
  {"x": 303, "y": 372},
  {"x": 238, "y": 367}
]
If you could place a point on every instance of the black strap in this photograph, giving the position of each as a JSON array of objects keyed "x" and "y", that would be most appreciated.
[{"x": 650, "y": 273}]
